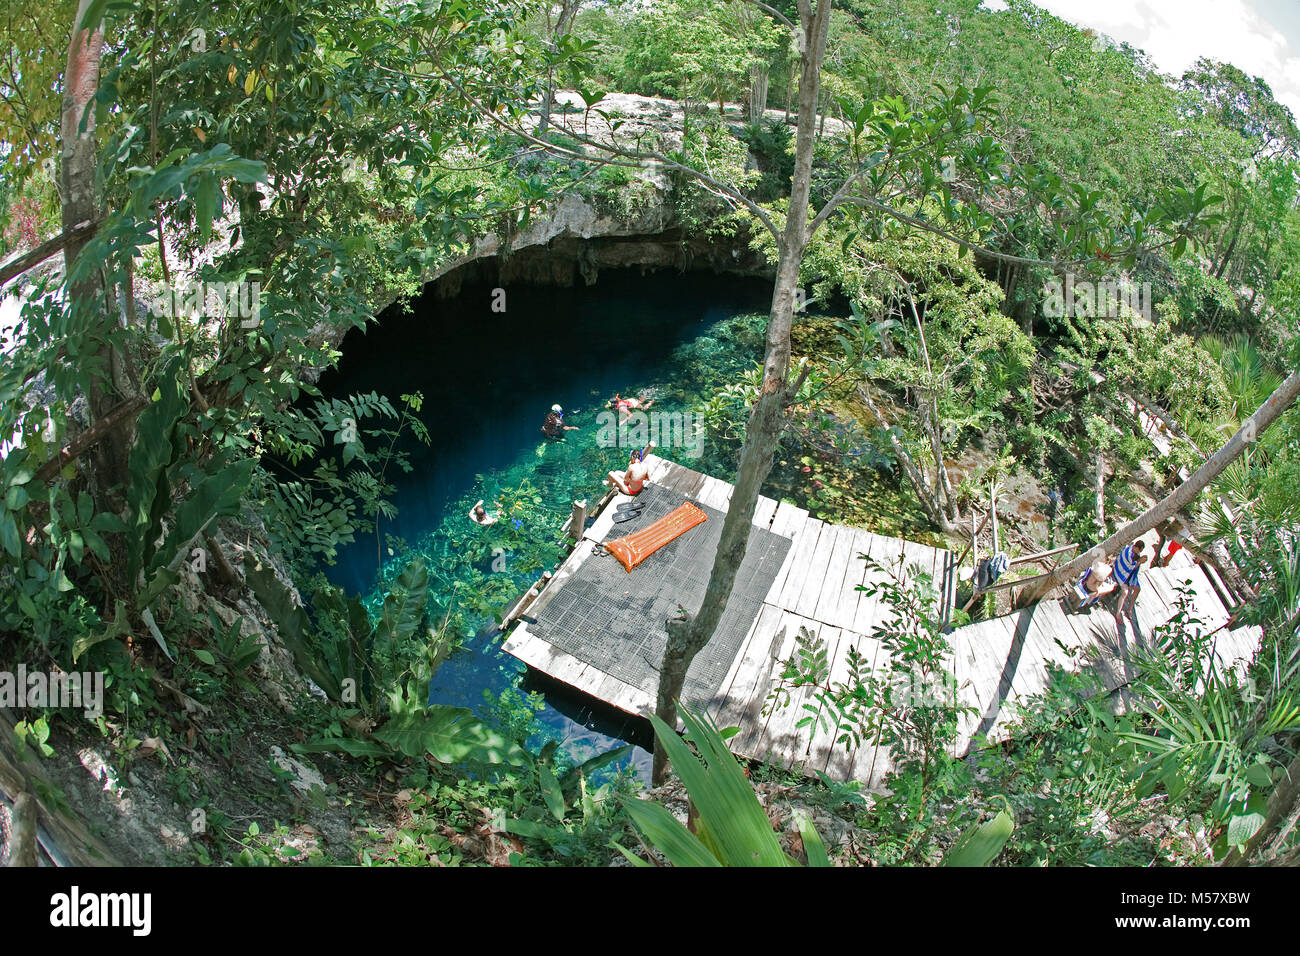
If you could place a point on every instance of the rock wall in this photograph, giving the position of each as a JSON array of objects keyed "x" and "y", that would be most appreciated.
[{"x": 573, "y": 241}]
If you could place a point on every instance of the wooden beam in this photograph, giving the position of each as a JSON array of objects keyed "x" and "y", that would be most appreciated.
[{"x": 578, "y": 522}]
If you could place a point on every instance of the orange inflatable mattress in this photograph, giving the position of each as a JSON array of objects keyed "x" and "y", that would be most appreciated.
[{"x": 635, "y": 548}]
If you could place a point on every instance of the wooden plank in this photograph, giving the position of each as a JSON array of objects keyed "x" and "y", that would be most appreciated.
[
  {"x": 828, "y": 602},
  {"x": 989, "y": 650},
  {"x": 818, "y": 566},
  {"x": 604, "y": 522},
  {"x": 824, "y": 752},
  {"x": 618, "y": 693},
  {"x": 659, "y": 468},
  {"x": 752, "y": 737},
  {"x": 967, "y": 691},
  {"x": 744, "y": 662},
  {"x": 822, "y": 743},
  {"x": 764, "y": 512},
  {"x": 854, "y": 574},
  {"x": 787, "y": 522},
  {"x": 748, "y": 688},
  {"x": 805, "y": 545},
  {"x": 715, "y": 493},
  {"x": 541, "y": 655},
  {"x": 1038, "y": 649},
  {"x": 871, "y": 610},
  {"x": 801, "y": 749},
  {"x": 780, "y": 737},
  {"x": 684, "y": 481}
]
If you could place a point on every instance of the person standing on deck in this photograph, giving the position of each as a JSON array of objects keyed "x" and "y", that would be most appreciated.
[{"x": 1127, "y": 565}]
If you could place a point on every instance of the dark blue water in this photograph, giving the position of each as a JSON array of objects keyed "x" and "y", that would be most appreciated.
[{"x": 488, "y": 379}]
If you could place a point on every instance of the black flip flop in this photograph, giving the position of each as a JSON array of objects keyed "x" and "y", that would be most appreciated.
[
  {"x": 634, "y": 504},
  {"x": 621, "y": 516}
]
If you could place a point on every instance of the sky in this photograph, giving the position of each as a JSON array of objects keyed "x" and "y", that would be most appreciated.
[{"x": 1260, "y": 37}]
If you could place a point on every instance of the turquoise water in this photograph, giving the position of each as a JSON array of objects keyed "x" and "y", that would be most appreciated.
[{"x": 488, "y": 380}]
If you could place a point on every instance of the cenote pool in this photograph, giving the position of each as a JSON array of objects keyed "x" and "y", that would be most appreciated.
[{"x": 488, "y": 379}]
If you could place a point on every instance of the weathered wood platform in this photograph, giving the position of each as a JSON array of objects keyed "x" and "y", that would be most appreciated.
[{"x": 995, "y": 662}]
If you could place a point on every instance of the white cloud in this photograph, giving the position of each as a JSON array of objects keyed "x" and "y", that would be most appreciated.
[{"x": 1176, "y": 32}]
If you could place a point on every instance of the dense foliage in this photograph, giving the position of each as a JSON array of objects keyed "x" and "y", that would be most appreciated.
[{"x": 169, "y": 466}]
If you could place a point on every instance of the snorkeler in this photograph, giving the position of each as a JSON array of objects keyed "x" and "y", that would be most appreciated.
[
  {"x": 631, "y": 482},
  {"x": 626, "y": 406},
  {"x": 478, "y": 514},
  {"x": 554, "y": 426}
]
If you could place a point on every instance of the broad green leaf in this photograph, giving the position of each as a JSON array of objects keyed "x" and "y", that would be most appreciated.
[
  {"x": 551, "y": 792},
  {"x": 980, "y": 845},
  {"x": 451, "y": 735},
  {"x": 668, "y": 836},
  {"x": 732, "y": 823},
  {"x": 812, "y": 842}
]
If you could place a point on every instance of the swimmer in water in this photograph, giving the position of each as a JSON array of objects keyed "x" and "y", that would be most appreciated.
[
  {"x": 626, "y": 406},
  {"x": 478, "y": 514},
  {"x": 554, "y": 426}
]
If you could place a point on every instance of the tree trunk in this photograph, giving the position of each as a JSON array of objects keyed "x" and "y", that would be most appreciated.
[
  {"x": 951, "y": 513},
  {"x": 1100, "y": 491},
  {"x": 757, "y": 92},
  {"x": 80, "y": 206},
  {"x": 568, "y": 9},
  {"x": 925, "y": 497},
  {"x": 1181, "y": 496},
  {"x": 687, "y": 636}
]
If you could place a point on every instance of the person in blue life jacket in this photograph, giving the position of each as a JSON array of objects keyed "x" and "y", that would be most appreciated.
[{"x": 1127, "y": 566}]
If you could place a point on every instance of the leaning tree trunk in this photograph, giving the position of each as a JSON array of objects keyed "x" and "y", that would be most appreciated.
[
  {"x": 925, "y": 495},
  {"x": 686, "y": 635},
  {"x": 80, "y": 206},
  {"x": 1181, "y": 496}
]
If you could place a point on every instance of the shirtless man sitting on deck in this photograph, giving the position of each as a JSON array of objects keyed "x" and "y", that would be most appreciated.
[{"x": 631, "y": 482}]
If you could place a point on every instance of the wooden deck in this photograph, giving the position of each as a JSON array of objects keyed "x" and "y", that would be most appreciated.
[{"x": 995, "y": 662}]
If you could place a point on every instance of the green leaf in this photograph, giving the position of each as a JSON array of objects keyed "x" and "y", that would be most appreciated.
[
  {"x": 669, "y": 837},
  {"x": 812, "y": 842},
  {"x": 9, "y": 535},
  {"x": 205, "y": 657},
  {"x": 630, "y": 856},
  {"x": 551, "y": 792},
  {"x": 1258, "y": 775},
  {"x": 94, "y": 15},
  {"x": 86, "y": 641},
  {"x": 451, "y": 735},
  {"x": 205, "y": 204},
  {"x": 981, "y": 844},
  {"x": 292, "y": 624},
  {"x": 213, "y": 496},
  {"x": 347, "y": 745},
  {"x": 570, "y": 779},
  {"x": 732, "y": 823},
  {"x": 1243, "y": 826}
]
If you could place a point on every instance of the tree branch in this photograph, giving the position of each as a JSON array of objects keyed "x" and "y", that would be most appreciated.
[
  {"x": 87, "y": 439},
  {"x": 48, "y": 248}
]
